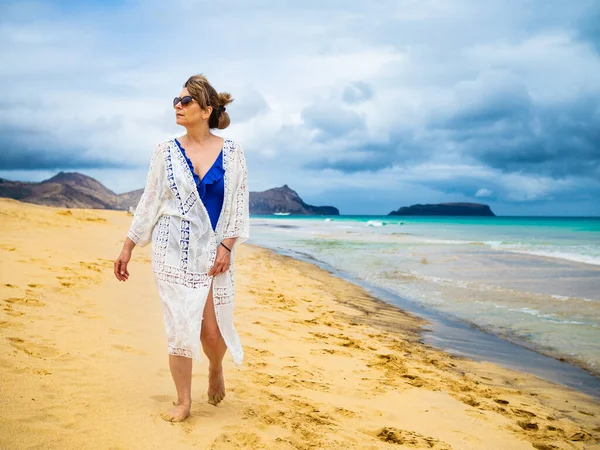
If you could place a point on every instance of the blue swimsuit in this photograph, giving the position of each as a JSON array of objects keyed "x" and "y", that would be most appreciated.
[{"x": 211, "y": 188}]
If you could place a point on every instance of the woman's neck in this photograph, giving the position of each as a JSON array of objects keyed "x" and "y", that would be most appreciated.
[{"x": 198, "y": 135}]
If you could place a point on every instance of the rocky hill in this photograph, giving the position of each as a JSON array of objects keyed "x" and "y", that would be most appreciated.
[
  {"x": 75, "y": 190},
  {"x": 444, "y": 209},
  {"x": 66, "y": 189},
  {"x": 130, "y": 199},
  {"x": 284, "y": 199}
]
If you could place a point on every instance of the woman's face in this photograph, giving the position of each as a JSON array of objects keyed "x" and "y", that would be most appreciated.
[{"x": 191, "y": 114}]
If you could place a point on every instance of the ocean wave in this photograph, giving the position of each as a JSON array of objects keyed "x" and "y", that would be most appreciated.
[
  {"x": 580, "y": 254},
  {"x": 588, "y": 254},
  {"x": 531, "y": 312},
  {"x": 448, "y": 241},
  {"x": 549, "y": 317},
  {"x": 564, "y": 298}
]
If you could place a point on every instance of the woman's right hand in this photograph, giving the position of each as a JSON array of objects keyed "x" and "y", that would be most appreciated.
[{"x": 121, "y": 271}]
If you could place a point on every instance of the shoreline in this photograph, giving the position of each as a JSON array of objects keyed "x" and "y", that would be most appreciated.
[
  {"x": 462, "y": 338},
  {"x": 578, "y": 373},
  {"x": 489, "y": 374},
  {"x": 327, "y": 364}
]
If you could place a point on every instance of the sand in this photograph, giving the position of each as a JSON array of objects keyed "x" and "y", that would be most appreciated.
[{"x": 83, "y": 362}]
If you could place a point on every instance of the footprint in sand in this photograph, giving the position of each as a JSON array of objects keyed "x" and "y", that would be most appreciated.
[
  {"x": 523, "y": 413},
  {"x": 25, "y": 301},
  {"x": 414, "y": 380},
  {"x": 336, "y": 325},
  {"x": 390, "y": 362},
  {"x": 266, "y": 379},
  {"x": 282, "y": 299},
  {"x": 32, "y": 349},
  {"x": 236, "y": 440},
  {"x": 470, "y": 401},
  {"x": 408, "y": 438},
  {"x": 313, "y": 321},
  {"x": 257, "y": 364},
  {"x": 253, "y": 351},
  {"x": 91, "y": 266},
  {"x": 350, "y": 343},
  {"x": 330, "y": 351},
  {"x": 318, "y": 336},
  {"x": 526, "y": 425},
  {"x": 128, "y": 349},
  {"x": 346, "y": 412},
  {"x": 66, "y": 281},
  {"x": 315, "y": 385},
  {"x": 306, "y": 379},
  {"x": 309, "y": 413}
]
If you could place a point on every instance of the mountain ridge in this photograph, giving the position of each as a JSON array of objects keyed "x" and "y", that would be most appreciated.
[{"x": 76, "y": 190}]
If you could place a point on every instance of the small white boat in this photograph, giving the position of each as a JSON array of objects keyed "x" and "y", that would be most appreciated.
[{"x": 282, "y": 213}]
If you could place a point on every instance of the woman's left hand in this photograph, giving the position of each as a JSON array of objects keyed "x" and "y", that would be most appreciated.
[{"x": 222, "y": 261}]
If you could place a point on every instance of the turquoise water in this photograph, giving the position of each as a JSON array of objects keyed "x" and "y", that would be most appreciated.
[{"x": 532, "y": 280}]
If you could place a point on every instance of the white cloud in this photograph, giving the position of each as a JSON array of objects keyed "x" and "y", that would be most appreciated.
[
  {"x": 102, "y": 79},
  {"x": 483, "y": 192}
]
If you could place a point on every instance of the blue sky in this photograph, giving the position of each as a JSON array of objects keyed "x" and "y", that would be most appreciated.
[{"x": 366, "y": 106}]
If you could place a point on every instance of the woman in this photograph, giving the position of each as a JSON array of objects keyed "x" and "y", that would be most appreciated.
[{"x": 194, "y": 210}]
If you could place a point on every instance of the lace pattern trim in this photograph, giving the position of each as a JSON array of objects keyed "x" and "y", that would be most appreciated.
[
  {"x": 223, "y": 295},
  {"x": 180, "y": 351},
  {"x": 238, "y": 226},
  {"x": 176, "y": 275},
  {"x": 184, "y": 243},
  {"x": 133, "y": 236},
  {"x": 162, "y": 239},
  {"x": 184, "y": 206}
]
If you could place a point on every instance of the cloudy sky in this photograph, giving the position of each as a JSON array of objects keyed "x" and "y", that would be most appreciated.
[{"x": 367, "y": 106}]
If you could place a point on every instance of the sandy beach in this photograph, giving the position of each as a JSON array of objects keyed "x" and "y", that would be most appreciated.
[{"x": 84, "y": 362}]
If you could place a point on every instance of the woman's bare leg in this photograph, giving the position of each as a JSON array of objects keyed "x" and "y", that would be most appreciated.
[
  {"x": 181, "y": 371},
  {"x": 214, "y": 347}
]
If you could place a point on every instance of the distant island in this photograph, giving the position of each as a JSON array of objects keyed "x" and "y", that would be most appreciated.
[
  {"x": 444, "y": 209},
  {"x": 75, "y": 190}
]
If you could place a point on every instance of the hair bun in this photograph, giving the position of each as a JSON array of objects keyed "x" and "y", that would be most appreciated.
[{"x": 206, "y": 96}]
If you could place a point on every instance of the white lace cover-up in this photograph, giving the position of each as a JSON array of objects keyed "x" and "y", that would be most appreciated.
[{"x": 171, "y": 215}]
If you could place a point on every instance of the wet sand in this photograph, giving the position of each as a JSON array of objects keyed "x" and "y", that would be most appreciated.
[{"x": 84, "y": 363}]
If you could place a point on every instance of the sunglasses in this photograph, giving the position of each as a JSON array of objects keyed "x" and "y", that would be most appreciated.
[{"x": 184, "y": 100}]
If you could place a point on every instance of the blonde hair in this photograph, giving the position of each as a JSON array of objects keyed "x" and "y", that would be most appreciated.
[{"x": 206, "y": 95}]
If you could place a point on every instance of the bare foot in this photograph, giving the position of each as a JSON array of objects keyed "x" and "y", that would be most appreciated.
[
  {"x": 216, "y": 386},
  {"x": 177, "y": 414}
]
